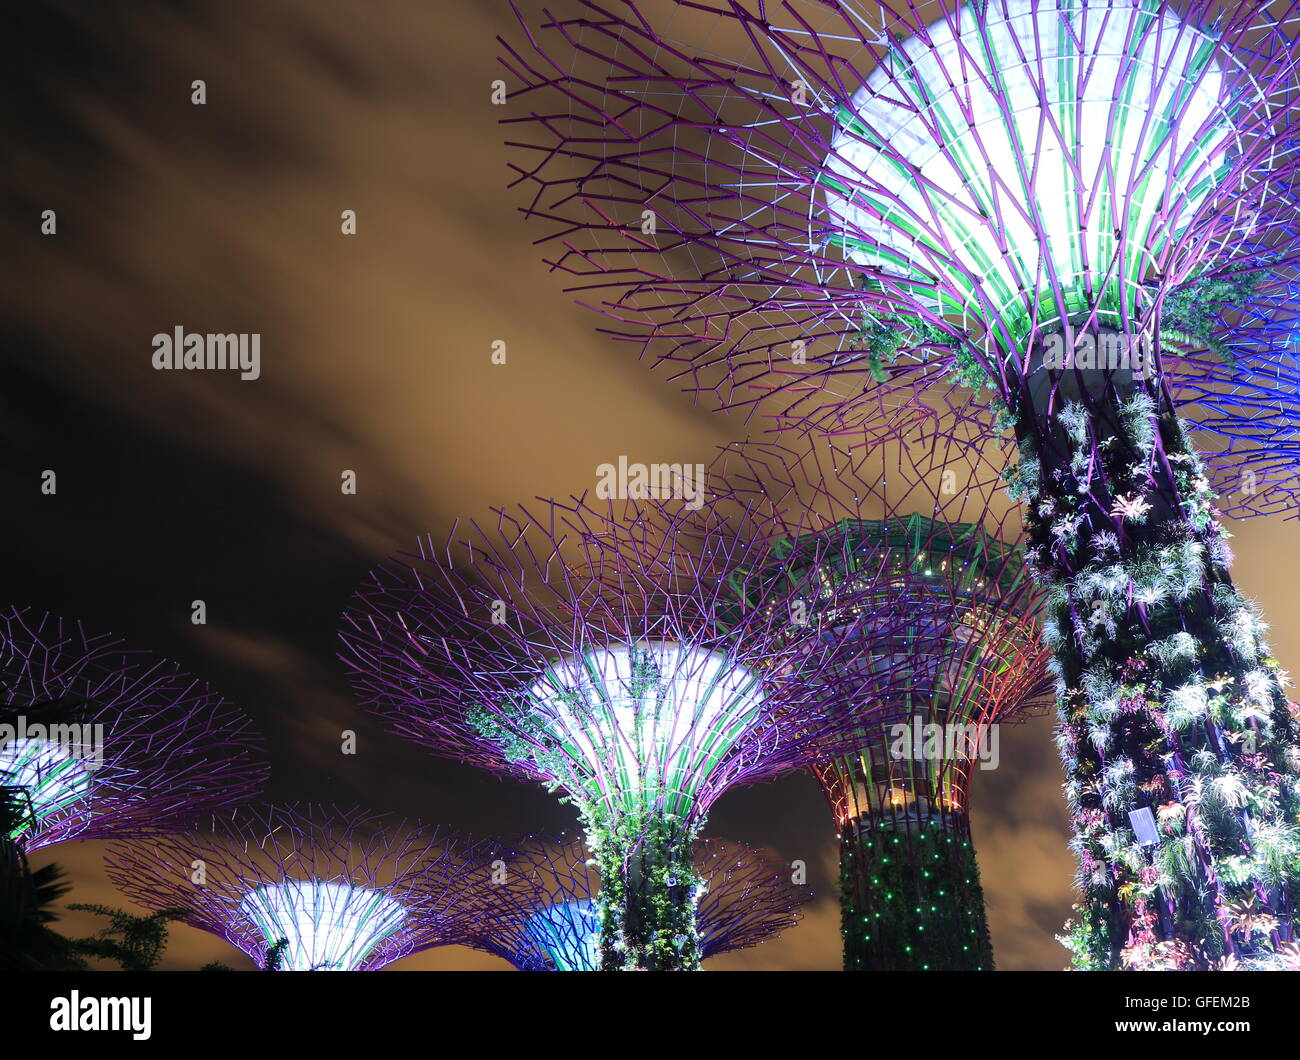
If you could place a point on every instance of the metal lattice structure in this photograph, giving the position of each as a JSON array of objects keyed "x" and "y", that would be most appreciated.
[
  {"x": 640, "y": 657},
  {"x": 545, "y": 916},
  {"x": 320, "y": 888},
  {"x": 108, "y": 741},
  {"x": 910, "y": 889},
  {"x": 804, "y": 266},
  {"x": 1048, "y": 218},
  {"x": 1239, "y": 403}
]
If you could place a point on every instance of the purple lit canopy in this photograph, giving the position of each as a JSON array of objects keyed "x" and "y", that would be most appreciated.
[{"x": 108, "y": 741}]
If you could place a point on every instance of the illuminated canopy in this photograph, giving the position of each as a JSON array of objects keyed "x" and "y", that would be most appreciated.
[
  {"x": 107, "y": 741},
  {"x": 918, "y": 531},
  {"x": 863, "y": 211},
  {"x": 656, "y": 717},
  {"x": 1028, "y": 145},
  {"x": 617, "y": 653},
  {"x": 344, "y": 890},
  {"x": 569, "y": 934},
  {"x": 54, "y": 779},
  {"x": 329, "y": 926}
]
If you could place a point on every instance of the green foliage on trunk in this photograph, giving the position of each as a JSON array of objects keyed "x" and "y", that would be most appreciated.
[
  {"x": 648, "y": 896},
  {"x": 1171, "y": 708},
  {"x": 1194, "y": 309}
]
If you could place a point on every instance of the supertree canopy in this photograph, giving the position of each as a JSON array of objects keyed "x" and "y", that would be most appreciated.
[
  {"x": 545, "y": 915},
  {"x": 303, "y": 888},
  {"x": 608, "y": 653},
  {"x": 1024, "y": 217},
  {"x": 910, "y": 891},
  {"x": 104, "y": 741}
]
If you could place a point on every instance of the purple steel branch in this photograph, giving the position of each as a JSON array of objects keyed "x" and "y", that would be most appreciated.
[
  {"x": 173, "y": 750},
  {"x": 438, "y": 878},
  {"x": 726, "y": 140}
]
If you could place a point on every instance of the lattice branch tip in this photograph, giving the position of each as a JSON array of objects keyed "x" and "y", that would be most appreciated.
[
  {"x": 1240, "y": 402},
  {"x": 104, "y": 741},
  {"x": 307, "y": 888}
]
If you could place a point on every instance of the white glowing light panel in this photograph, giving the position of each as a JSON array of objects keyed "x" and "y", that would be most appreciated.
[
  {"x": 646, "y": 721},
  {"x": 569, "y": 934},
  {"x": 54, "y": 777},
  {"x": 330, "y": 926},
  {"x": 1017, "y": 147}
]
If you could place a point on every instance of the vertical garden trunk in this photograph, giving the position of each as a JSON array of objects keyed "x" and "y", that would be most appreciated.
[
  {"x": 1179, "y": 745},
  {"x": 647, "y": 899},
  {"x": 910, "y": 898}
]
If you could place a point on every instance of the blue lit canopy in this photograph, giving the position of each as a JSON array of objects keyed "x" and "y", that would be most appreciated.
[{"x": 569, "y": 934}]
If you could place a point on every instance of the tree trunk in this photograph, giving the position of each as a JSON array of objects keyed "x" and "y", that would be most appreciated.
[
  {"x": 910, "y": 898},
  {"x": 647, "y": 900},
  {"x": 1179, "y": 744}
]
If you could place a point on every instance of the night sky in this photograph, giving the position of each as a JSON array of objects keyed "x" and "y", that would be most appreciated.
[{"x": 177, "y": 486}]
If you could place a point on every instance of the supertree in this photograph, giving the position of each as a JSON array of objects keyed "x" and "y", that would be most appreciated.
[
  {"x": 104, "y": 741},
  {"x": 309, "y": 888},
  {"x": 545, "y": 916},
  {"x": 931, "y": 518},
  {"x": 1023, "y": 217},
  {"x": 607, "y": 651}
]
